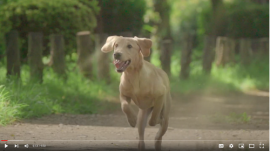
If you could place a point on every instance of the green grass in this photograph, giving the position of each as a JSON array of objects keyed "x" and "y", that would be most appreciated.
[
  {"x": 77, "y": 95},
  {"x": 230, "y": 118},
  {"x": 231, "y": 78},
  {"x": 10, "y": 111}
]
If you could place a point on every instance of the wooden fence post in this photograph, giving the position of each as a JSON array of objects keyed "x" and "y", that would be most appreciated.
[
  {"x": 103, "y": 60},
  {"x": 245, "y": 50},
  {"x": 186, "y": 56},
  {"x": 264, "y": 46},
  {"x": 57, "y": 60},
  {"x": 13, "y": 54},
  {"x": 208, "y": 53},
  {"x": 225, "y": 50},
  {"x": 266, "y": 43},
  {"x": 85, "y": 48},
  {"x": 35, "y": 43},
  {"x": 231, "y": 49},
  {"x": 165, "y": 56}
]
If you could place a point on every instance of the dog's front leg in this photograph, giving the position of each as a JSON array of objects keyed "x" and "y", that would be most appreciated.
[
  {"x": 125, "y": 105},
  {"x": 158, "y": 105},
  {"x": 142, "y": 121}
]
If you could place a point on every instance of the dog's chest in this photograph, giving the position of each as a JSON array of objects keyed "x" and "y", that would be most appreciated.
[
  {"x": 142, "y": 97},
  {"x": 143, "y": 100}
]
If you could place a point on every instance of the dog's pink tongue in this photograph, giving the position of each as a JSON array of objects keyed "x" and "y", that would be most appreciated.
[{"x": 118, "y": 64}]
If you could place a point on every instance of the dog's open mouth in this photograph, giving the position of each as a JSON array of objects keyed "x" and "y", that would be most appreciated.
[{"x": 121, "y": 65}]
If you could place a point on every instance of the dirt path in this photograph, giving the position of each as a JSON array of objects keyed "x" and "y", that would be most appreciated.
[{"x": 200, "y": 122}]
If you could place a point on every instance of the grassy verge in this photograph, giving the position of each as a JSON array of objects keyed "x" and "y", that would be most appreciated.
[
  {"x": 27, "y": 100},
  {"x": 10, "y": 111},
  {"x": 230, "y": 118}
]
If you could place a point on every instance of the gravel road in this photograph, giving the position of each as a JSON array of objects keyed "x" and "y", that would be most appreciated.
[{"x": 198, "y": 122}]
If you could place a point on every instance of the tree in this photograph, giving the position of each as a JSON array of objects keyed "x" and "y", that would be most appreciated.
[
  {"x": 218, "y": 10},
  {"x": 120, "y": 16},
  {"x": 164, "y": 28},
  {"x": 66, "y": 17},
  {"x": 162, "y": 7}
]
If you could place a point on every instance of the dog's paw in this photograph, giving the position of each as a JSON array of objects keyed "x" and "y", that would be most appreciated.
[
  {"x": 141, "y": 146},
  {"x": 158, "y": 145},
  {"x": 132, "y": 121}
]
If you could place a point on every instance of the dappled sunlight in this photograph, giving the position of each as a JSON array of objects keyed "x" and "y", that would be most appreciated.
[{"x": 257, "y": 93}]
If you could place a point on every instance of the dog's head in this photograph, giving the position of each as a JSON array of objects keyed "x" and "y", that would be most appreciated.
[{"x": 128, "y": 52}]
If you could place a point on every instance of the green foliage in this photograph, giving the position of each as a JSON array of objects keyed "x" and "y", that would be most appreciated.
[
  {"x": 122, "y": 15},
  {"x": 65, "y": 17},
  {"x": 231, "y": 117},
  {"x": 247, "y": 20},
  {"x": 9, "y": 111},
  {"x": 3, "y": 2},
  {"x": 242, "y": 19},
  {"x": 76, "y": 96},
  {"x": 188, "y": 18}
]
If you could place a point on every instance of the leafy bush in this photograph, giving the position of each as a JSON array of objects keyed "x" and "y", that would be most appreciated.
[
  {"x": 122, "y": 15},
  {"x": 65, "y": 17}
]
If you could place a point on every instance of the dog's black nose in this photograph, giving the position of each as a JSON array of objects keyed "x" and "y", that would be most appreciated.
[{"x": 117, "y": 55}]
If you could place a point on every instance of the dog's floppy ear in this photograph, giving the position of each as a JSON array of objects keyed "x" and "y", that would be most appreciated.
[
  {"x": 145, "y": 45},
  {"x": 108, "y": 46}
]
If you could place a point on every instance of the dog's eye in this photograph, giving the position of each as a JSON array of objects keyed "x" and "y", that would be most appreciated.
[
  {"x": 129, "y": 46},
  {"x": 116, "y": 45}
]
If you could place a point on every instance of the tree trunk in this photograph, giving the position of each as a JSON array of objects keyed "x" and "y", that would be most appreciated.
[
  {"x": 245, "y": 51},
  {"x": 186, "y": 56},
  {"x": 57, "y": 61},
  {"x": 165, "y": 56},
  {"x": 103, "y": 60},
  {"x": 85, "y": 49},
  {"x": 126, "y": 34},
  {"x": 218, "y": 20},
  {"x": 13, "y": 54},
  {"x": 99, "y": 27},
  {"x": 162, "y": 8},
  {"x": 35, "y": 41},
  {"x": 208, "y": 53}
]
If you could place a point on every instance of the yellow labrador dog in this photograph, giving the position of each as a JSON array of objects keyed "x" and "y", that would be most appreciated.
[{"x": 143, "y": 83}]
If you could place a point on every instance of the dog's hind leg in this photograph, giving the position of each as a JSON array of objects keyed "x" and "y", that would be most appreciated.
[
  {"x": 142, "y": 121},
  {"x": 125, "y": 105}
]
